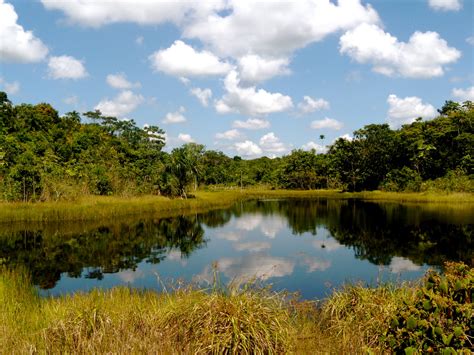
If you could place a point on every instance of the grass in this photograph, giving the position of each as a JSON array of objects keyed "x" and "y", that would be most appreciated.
[
  {"x": 353, "y": 320},
  {"x": 102, "y": 207}
]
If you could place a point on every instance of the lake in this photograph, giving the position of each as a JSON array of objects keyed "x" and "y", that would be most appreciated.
[{"x": 307, "y": 245}]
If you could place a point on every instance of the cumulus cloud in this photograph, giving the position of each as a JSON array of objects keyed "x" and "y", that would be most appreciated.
[
  {"x": 425, "y": 55},
  {"x": 182, "y": 60},
  {"x": 445, "y": 5},
  {"x": 11, "y": 88},
  {"x": 319, "y": 148},
  {"x": 71, "y": 100},
  {"x": 253, "y": 266},
  {"x": 328, "y": 123},
  {"x": 249, "y": 100},
  {"x": 398, "y": 265},
  {"x": 185, "y": 138},
  {"x": 124, "y": 103},
  {"x": 175, "y": 117},
  {"x": 119, "y": 81},
  {"x": 464, "y": 94},
  {"x": 249, "y": 222},
  {"x": 241, "y": 30},
  {"x": 272, "y": 225},
  {"x": 253, "y": 247},
  {"x": 98, "y": 13},
  {"x": 251, "y": 123},
  {"x": 405, "y": 110},
  {"x": 254, "y": 68},
  {"x": 272, "y": 144},
  {"x": 313, "y": 263},
  {"x": 310, "y": 105},
  {"x": 16, "y": 44},
  {"x": 66, "y": 67},
  {"x": 247, "y": 148},
  {"x": 203, "y": 95},
  {"x": 231, "y": 134}
]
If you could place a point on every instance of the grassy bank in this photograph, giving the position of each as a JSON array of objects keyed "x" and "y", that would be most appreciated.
[
  {"x": 103, "y": 207},
  {"x": 432, "y": 316}
]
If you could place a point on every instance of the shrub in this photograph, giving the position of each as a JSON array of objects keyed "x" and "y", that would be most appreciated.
[{"x": 441, "y": 318}]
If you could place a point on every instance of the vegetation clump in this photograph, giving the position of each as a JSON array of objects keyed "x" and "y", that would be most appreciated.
[
  {"x": 434, "y": 316},
  {"x": 441, "y": 316}
]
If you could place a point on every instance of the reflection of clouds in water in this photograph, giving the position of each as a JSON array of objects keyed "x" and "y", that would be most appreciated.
[
  {"x": 330, "y": 244},
  {"x": 230, "y": 236},
  {"x": 252, "y": 266},
  {"x": 248, "y": 222},
  {"x": 175, "y": 255},
  {"x": 399, "y": 264},
  {"x": 252, "y": 246},
  {"x": 130, "y": 276},
  {"x": 313, "y": 263},
  {"x": 271, "y": 225}
]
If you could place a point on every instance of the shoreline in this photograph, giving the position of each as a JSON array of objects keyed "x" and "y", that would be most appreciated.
[{"x": 90, "y": 208}]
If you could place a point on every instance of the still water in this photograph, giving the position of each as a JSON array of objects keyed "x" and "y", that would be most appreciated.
[{"x": 310, "y": 246}]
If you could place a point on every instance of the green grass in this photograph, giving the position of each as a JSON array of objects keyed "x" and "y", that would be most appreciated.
[
  {"x": 102, "y": 207},
  {"x": 355, "y": 319}
]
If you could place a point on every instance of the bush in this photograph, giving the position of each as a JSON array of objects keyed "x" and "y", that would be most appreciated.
[
  {"x": 441, "y": 318},
  {"x": 404, "y": 179}
]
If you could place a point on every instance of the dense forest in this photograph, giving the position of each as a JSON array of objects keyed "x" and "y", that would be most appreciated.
[{"x": 45, "y": 156}]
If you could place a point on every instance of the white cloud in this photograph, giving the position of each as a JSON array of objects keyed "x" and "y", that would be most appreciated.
[
  {"x": 249, "y": 222},
  {"x": 271, "y": 225},
  {"x": 310, "y": 105},
  {"x": 119, "y": 81},
  {"x": 11, "y": 88},
  {"x": 247, "y": 148},
  {"x": 175, "y": 117},
  {"x": 130, "y": 276},
  {"x": 328, "y": 123},
  {"x": 98, "y": 13},
  {"x": 16, "y": 44},
  {"x": 253, "y": 247},
  {"x": 406, "y": 110},
  {"x": 251, "y": 123},
  {"x": 203, "y": 95},
  {"x": 346, "y": 136},
  {"x": 272, "y": 144},
  {"x": 185, "y": 138},
  {"x": 253, "y": 266},
  {"x": 423, "y": 56},
  {"x": 182, "y": 60},
  {"x": 319, "y": 148},
  {"x": 276, "y": 28},
  {"x": 230, "y": 236},
  {"x": 313, "y": 263},
  {"x": 66, "y": 67},
  {"x": 445, "y": 5},
  {"x": 470, "y": 40},
  {"x": 254, "y": 68},
  {"x": 139, "y": 40},
  {"x": 124, "y": 103},
  {"x": 464, "y": 94},
  {"x": 71, "y": 100},
  {"x": 249, "y": 101},
  {"x": 399, "y": 264},
  {"x": 231, "y": 134}
]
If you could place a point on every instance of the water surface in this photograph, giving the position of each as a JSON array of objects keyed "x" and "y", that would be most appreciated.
[{"x": 304, "y": 245}]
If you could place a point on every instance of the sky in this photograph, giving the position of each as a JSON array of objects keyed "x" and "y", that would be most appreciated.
[{"x": 249, "y": 78}]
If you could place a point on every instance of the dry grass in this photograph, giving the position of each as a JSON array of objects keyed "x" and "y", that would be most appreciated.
[{"x": 103, "y": 207}]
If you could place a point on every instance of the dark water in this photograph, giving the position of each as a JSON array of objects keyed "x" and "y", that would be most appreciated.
[{"x": 309, "y": 246}]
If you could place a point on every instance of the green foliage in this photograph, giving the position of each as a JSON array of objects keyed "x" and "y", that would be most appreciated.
[
  {"x": 441, "y": 317},
  {"x": 404, "y": 179}
]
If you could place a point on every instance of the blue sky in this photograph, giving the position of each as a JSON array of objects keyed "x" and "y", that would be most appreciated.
[{"x": 250, "y": 78}]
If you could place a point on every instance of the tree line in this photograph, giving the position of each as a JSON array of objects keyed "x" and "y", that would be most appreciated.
[{"x": 45, "y": 156}]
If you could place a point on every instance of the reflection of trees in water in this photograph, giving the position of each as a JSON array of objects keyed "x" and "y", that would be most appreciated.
[
  {"x": 379, "y": 231},
  {"x": 101, "y": 250},
  {"x": 376, "y": 231}
]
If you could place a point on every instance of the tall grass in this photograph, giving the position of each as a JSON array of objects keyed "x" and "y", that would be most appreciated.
[
  {"x": 103, "y": 207},
  {"x": 353, "y": 320}
]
